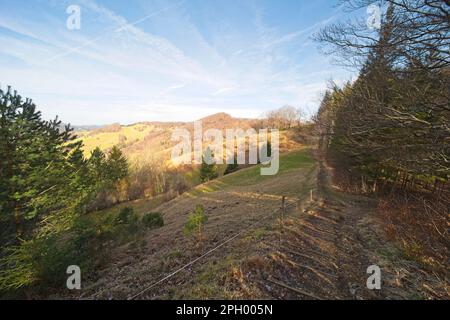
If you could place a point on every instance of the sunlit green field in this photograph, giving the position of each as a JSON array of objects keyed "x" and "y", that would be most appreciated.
[{"x": 249, "y": 176}]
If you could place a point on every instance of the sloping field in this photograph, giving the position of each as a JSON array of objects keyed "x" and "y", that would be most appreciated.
[
  {"x": 319, "y": 249},
  {"x": 234, "y": 204}
]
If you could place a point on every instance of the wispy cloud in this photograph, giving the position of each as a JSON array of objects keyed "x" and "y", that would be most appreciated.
[{"x": 223, "y": 90}]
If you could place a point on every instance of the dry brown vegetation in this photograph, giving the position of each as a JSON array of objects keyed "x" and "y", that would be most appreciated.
[{"x": 420, "y": 226}]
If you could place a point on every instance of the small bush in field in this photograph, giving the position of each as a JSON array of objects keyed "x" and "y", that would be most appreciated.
[
  {"x": 153, "y": 220},
  {"x": 125, "y": 216},
  {"x": 126, "y": 223},
  {"x": 196, "y": 222}
]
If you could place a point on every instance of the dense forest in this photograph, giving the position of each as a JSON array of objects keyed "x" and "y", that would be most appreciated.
[{"x": 388, "y": 131}]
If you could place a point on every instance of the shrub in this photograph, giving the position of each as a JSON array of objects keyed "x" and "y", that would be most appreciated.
[
  {"x": 42, "y": 262},
  {"x": 153, "y": 220},
  {"x": 16, "y": 268},
  {"x": 125, "y": 224},
  {"x": 196, "y": 222},
  {"x": 125, "y": 216},
  {"x": 176, "y": 182}
]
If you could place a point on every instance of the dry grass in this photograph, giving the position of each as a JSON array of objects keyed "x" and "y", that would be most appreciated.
[
  {"x": 229, "y": 210},
  {"x": 322, "y": 251},
  {"x": 420, "y": 226},
  {"x": 105, "y": 140}
]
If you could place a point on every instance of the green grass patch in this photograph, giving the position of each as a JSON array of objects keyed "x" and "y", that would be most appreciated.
[
  {"x": 140, "y": 206},
  {"x": 153, "y": 220},
  {"x": 249, "y": 176}
]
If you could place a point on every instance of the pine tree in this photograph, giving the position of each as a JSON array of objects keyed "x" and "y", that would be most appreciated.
[
  {"x": 208, "y": 171},
  {"x": 45, "y": 184},
  {"x": 34, "y": 171},
  {"x": 117, "y": 165},
  {"x": 97, "y": 164},
  {"x": 117, "y": 171},
  {"x": 232, "y": 167},
  {"x": 196, "y": 223}
]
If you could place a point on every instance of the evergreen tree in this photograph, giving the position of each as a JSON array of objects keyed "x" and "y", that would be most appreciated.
[
  {"x": 196, "y": 223},
  {"x": 232, "y": 167},
  {"x": 208, "y": 169},
  {"x": 391, "y": 122},
  {"x": 45, "y": 184},
  {"x": 117, "y": 171},
  {"x": 116, "y": 165},
  {"x": 97, "y": 164},
  {"x": 34, "y": 171}
]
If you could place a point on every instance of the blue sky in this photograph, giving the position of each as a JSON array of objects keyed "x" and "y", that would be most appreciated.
[{"x": 160, "y": 60}]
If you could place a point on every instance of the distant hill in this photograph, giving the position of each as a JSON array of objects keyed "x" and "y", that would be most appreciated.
[
  {"x": 77, "y": 128},
  {"x": 145, "y": 141},
  {"x": 86, "y": 127}
]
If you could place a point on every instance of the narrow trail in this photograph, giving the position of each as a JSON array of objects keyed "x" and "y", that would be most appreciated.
[{"x": 320, "y": 255}]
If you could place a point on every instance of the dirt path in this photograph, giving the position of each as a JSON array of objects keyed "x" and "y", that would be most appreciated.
[{"x": 321, "y": 254}]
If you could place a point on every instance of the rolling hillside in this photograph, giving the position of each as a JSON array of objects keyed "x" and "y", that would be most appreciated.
[{"x": 147, "y": 141}]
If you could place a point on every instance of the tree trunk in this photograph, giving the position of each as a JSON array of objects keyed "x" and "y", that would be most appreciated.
[{"x": 18, "y": 222}]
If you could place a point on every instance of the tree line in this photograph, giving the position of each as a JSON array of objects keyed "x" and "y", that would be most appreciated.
[
  {"x": 44, "y": 175},
  {"x": 283, "y": 118},
  {"x": 391, "y": 125}
]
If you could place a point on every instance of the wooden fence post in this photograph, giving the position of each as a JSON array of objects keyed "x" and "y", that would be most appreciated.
[{"x": 282, "y": 213}]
